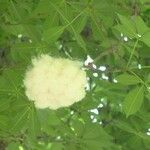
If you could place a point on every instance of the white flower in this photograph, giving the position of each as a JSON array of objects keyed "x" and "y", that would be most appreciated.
[
  {"x": 19, "y": 36},
  {"x": 88, "y": 60},
  {"x": 54, "y": 82},
  {"x": 95, "y": 74},
  {"x": 125, "y": 39},
  {"x": 102, "y": 68}
]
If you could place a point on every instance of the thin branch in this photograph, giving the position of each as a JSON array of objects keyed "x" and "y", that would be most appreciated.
[{"x": 132, "y": 53}]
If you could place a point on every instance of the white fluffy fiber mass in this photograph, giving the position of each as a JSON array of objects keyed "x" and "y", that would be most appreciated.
[{"x": 54, "y": 82}]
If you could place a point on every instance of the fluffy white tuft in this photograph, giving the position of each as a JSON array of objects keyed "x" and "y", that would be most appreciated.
[{"x": 54, "y": 82}]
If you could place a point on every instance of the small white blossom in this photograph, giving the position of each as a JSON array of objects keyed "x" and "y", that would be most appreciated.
[
  {"x": 94, "y": 120},
  {"x": 72, "y": 112},
  {"x": 125, "y": 39},
  {"x": 88, "y": 60},
  {"x": 148, "y": 133},
  {"x": 94, "y": 66},
  {"x": 30, "y": 41},
  {"x": 102, "y": 68},
  {"x": 104, "y": 76},
  {"x": 139, "y": 66},
  {"x": 100, "y": 122},
  {"x": 100, "y": 105},
  {"x": 95, "y": 74},
  {"x": 19, "y": 36},
  {"x": 95, "y": 111},
  {"x": 20, "y": 148},
  {"x": 139, "y": 35},
  {"x": 115, "y": 81},
  {"x": 92, "y": 116}
]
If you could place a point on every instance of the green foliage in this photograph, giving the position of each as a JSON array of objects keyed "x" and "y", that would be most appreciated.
[
  {"x": 115, "y": 114},
  {"x": 127, "y": 79},
  {"x": 133, "y": 101}
]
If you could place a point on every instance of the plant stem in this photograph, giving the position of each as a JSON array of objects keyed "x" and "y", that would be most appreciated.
[{"x": 132, "y": 53}]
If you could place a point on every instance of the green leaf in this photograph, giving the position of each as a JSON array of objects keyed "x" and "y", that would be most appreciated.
[
  {"x": 140, "y": 25},
  {"x": 132, "y": 27},
  {"x": 68, "y": 22},
  {"x": 57, "y": 146},
  {"x": 19, "y": 119},
  {"x": 144, "y": 1},
  {"x": 80, "y": 41},
  {"x": 48, "y": 119},
  {"x": 19, "y": 15},
  {"x": 127, "y": 79},
  {"x": 127, "y": 25},
  {"x": 49, "y": 116},
  {"x": 11, "y": 83},
  {"x": 13, "y": 146},
  {"x": 34, "y": 124},
  {"x": 78, "y": 127},
  {"x": 95, "y": 137},
  {"x": 42, "y": 8},
  {"x": 124, "y": 126},
  {"x": 80, "y": 23},
  {"x": 23, "y": 52},
  {"x": 146, "y": 38},
  {"x": 3, "y": 5},
  {"x": 133, "y": 101},
  {"x": 4, "y": 102},
  {"x": 52, "y": 34},
  {"x": 4, "y": 121}
]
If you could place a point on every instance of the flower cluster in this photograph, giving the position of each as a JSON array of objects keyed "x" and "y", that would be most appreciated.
[{"x": 54, "y": 82}]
